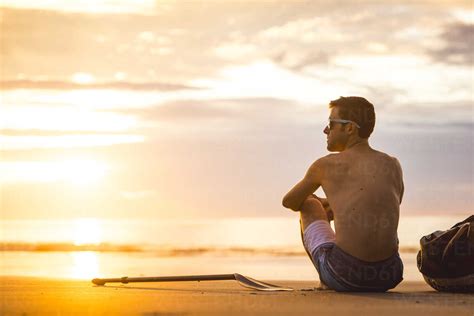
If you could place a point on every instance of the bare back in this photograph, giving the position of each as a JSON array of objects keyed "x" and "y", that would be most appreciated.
[{"x": 364, "y": 188}]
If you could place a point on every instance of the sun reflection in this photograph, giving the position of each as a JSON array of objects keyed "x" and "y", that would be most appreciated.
[
  {"x": 87, "y": 231},
  {"x": 85, "y": 265}
]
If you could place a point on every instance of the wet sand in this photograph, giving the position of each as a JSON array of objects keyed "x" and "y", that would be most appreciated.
[{"x": 39, "y": 296}]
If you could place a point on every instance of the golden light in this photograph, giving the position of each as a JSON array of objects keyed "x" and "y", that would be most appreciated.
[
  {"x": 87, "y": 231},
  {"x": 245, "y": 80},
  {"x": 70, "y": 118},
  {"x": 85, "y": 265},
  {"x": 79, "y": 172},
  {"x": 82, "y": 78},
  {"x": 87, "y": 6},
  {"x": 66, "y": 141}
]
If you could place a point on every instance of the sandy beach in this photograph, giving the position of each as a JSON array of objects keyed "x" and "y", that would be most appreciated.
[{"x": 39, "y": 296}]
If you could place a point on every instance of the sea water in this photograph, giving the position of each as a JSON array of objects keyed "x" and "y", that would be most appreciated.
[{"x": 263, "y": 248}]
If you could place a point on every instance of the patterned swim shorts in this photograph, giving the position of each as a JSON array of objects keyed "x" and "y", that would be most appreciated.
[{"x": 343, "y": 272}]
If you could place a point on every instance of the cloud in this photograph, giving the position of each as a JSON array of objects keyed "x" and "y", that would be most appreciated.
[
  {"x": 458, "y": 45},
  {"x": 183, "y": 109},
  {"x": 442, "y": 116},
  {"x": 132, "y": 195},
  {"x": 67, "y": 85},
  {"x": 257, "y": 119},
  {"x": 370, "y": 29},
  {"x": 299, "y": 60},
  {"x": 113, "y": 7},
  {"x": 42, "y": 132},
  {"x": 294, "y": 35},
  {"x": 66, "y": 141},
  {"x": 249, "y": 109},
  {"x": 59, "y": 44},
  {"x": 235, "y": 50}
]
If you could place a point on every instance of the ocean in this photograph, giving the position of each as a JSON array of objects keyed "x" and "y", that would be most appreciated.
[{"x": 263, "y": 248}]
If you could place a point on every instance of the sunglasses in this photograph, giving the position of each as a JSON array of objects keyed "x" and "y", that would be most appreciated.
[{"x": 331, "y": 121}]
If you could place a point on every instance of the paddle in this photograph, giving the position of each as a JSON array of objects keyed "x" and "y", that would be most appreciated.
[{"x": 242, "y": 280}]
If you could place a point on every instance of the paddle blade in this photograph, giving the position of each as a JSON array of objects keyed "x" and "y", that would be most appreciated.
[{"x": 259, "y": 285}]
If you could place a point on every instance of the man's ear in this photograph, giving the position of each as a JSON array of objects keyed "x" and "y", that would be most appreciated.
[{"x": 351, "y": 129}]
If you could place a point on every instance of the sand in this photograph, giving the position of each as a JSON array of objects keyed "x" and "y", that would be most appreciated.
[{"x": 39, "y": 296}]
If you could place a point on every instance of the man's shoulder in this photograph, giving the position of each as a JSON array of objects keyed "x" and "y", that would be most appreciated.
[
  {"x": 329, "y": 158},
  {"x": 322, "y": 163},
  {"x": 390, "y": 163},
  {"x": 386, "y": 156}
]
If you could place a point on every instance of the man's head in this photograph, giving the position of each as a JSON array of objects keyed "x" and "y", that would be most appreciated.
[{"x": 351, "y": 118}]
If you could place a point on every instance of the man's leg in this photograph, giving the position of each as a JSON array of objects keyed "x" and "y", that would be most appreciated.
[{"x": 313, "y": 212}]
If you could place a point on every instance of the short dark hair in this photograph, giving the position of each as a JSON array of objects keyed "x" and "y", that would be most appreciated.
[{"x": 359, "y": 110}]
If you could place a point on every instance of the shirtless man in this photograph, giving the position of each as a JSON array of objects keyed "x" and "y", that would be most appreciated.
[{"x": 364, "y": 189}]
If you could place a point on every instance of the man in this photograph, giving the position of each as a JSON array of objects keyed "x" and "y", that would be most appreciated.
[{"x": 364, "y": 189}]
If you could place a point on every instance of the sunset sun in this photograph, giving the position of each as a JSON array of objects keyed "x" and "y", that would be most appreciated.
[{"x": 87, "y": 231}]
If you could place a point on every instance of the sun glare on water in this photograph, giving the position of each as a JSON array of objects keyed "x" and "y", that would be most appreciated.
[{"x": 85, "y": 264}]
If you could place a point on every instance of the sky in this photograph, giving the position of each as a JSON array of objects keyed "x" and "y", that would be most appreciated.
[{"x": 211, "y": 109}]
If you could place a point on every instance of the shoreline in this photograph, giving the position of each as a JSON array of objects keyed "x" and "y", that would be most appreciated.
[
  {"x": 85, "y": 265},
  {"x": 42, "y": 296}
]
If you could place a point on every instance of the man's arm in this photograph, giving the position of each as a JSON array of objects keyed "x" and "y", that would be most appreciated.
[
  {"x": 400, "y": 174},
  {"x": 310, "y": 183}
]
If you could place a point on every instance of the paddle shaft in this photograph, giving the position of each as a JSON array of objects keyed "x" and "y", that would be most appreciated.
[{"x": 126, "y": 280}]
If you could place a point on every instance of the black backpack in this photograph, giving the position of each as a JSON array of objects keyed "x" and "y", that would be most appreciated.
[{"x": 446, "y": 258}]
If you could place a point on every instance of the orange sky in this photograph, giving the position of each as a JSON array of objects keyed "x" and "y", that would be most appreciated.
[{"x": 158, "y": 109}]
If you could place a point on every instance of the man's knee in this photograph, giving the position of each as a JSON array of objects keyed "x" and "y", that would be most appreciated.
[
  {"x": 312, "y": 205},
  {"x": 312, "y": 210}
]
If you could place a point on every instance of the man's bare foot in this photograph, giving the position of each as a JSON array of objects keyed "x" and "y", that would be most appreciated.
[{"x": 322, "y": 286}]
